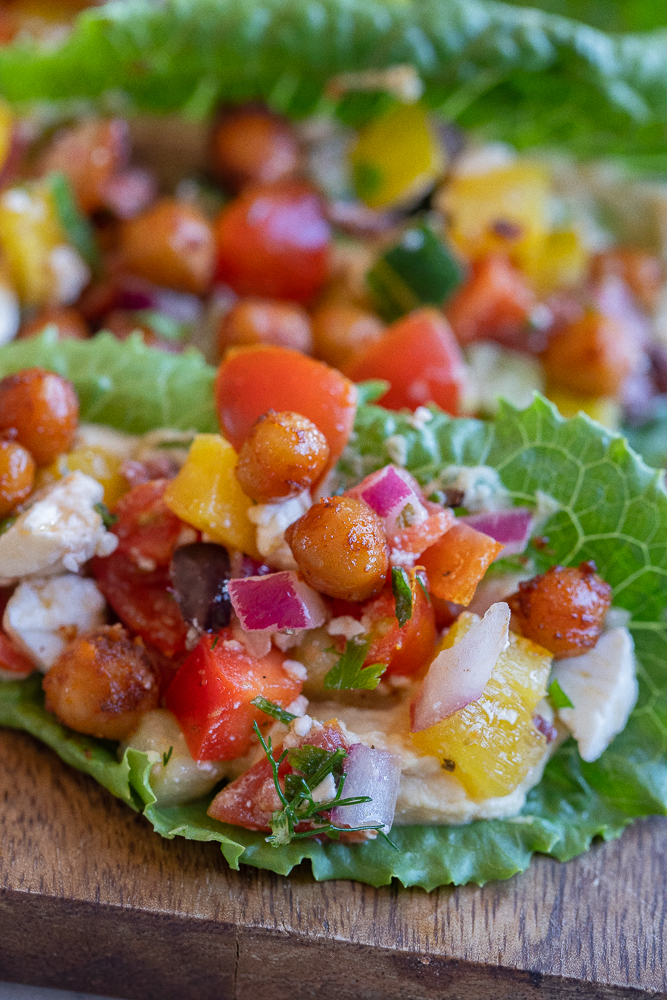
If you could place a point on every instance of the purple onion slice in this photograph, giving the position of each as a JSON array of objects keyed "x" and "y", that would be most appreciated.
[{"x": 375, "y": 773}]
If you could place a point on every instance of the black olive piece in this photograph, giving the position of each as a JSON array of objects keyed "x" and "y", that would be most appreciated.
[{"x": 199, "y": 574}]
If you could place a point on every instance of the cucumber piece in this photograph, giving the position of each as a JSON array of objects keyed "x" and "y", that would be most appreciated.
[{"x": 420, "y": 270}]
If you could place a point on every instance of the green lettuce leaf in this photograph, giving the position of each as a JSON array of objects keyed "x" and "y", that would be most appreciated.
[
  {"x": 609, "y": 506},
  {"x": 124, "y": 385},
  {"x": 522, "y": 75},
  {"x": 609, "y": 15}
]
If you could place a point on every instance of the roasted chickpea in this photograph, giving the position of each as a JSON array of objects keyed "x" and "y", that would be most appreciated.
[
  {"x": 17, "y": 475},
  {"x": 42, "y": 411},
  {"x": 283, "y": 455},
  {"x": 171, "y": 244},
  {"x": 562, "y": 609},
  {"x": 250, "y": 144},
  {"x": 592, "y": 356},
  {"x": 340, "y": 547},
  {"x": 265, "y": 321},
  {"x": 69, "y": 324},
  {"x": 102, "y": 684},
  {"x": 89, "y": 154},
  {"x": 342, "y": 332}
]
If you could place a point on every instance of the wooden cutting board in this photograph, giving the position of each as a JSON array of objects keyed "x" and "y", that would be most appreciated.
[{"x": 91, "y": 899}]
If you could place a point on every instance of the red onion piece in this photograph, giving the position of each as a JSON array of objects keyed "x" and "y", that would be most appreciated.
[
  {"x": 511, "y": 527},
  {"x": 388, "y": 492},
  {"x": 129, "y": 192},
  {"x": 276, "y": 601},
  {"x": 458, "y": 675},
  {"x": 375, "y": 773}
]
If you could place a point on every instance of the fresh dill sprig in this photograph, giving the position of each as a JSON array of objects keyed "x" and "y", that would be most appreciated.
[
  {"x": 166, "y": 757},
  {"x": 350, "y": 673},
  {"x": 298, "y": 806}
]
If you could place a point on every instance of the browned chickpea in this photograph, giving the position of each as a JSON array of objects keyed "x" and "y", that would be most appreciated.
[
  {"x": 17, "y": 475},
  {"x": 171, "y": 244},
  {"x": 250, "y": 145},
  {"x": 563, "y": 609},
  {"x": 340, "y": 547},
  {"x": 342, "y": 332},
  {"x": 283, "y": 455},
  {"x": 89, "y": 153},
  {"x": 68, "y": 322},
  {"x": 264, "y": 321},
  {"x": 102, "y": 684},
  {"x": 42, "y": 410},
  {"x": 592, "y": 356}
]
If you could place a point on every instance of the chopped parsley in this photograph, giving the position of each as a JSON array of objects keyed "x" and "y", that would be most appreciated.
[
  {"x": 350, "y": 673},
  {"x": 166, "y": 757},
  {"x": 270, "y": 708},
  {"x": 558, "y": 697},
  {"x": 108, "y": 519},
  {"x": 400, "y": 585}
]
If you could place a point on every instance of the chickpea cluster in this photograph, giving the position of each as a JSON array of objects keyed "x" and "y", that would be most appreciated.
[
  {"x": 339, "y": 545},
  {"x": 39, "y": 416}
]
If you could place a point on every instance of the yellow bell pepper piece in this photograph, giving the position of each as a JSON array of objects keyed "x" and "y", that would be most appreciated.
[
  {"x": 491, "y": 744},
  {"x": 207, "y": 494},
  {"x": 560, "y": 262},
  {"x": 29, "y": 233},
  {"x": 102, "y": 466},
  {"x": 501, "y": 210},
  {"x": 6, "y": 132},
  {"x": 604, "y": 409},
  {"x": 397, "y": 157}
]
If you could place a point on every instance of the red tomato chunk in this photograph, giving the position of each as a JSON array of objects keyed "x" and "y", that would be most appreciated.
[{"x": 212, "y": 692}]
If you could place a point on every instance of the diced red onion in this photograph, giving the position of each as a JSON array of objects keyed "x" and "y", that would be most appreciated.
[
  {"x": 388, "y": 492},
  {"x": 511, "y": 527},
  {"x": 276, "y": 601},
  {"x": 458, "y": 675},
  {"x": 545, "y": 727},
  {"x": 375, "y": 773}
]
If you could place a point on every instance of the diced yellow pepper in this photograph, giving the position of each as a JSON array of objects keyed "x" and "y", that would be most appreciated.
[
  {"x": 207, "y": 494},
  {"x": 6, "y": 132},
  {"x": 397, "y": 157},
  {"x": 604, "y": 409},
  {"x": 29, "y": 233},
  {"x": 491, "y": 744},
  {"x": 560, "y": 262},
  {"x": 501, "y": 210},
  {"x": 102, "y": 466}
]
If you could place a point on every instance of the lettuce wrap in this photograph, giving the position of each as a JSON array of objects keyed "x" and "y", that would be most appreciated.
[
  {"x": 521, "y": 75},
  {"x": 610, "y": 507}
]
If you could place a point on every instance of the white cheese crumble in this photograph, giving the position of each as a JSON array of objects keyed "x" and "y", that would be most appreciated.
[
  {"x": 10, "y": 314},
  {"x": 480, "y": 484},
  {"x": 272, "y": 519},
  {"x": 59, "y": 532},
  {"x": 397, "y": 449},
  {"x": 302, "y": 726},
  {"x": 602, "y": 686},
  {"x": 346, "y": 626},
  {"x": 42, "y": 616}
]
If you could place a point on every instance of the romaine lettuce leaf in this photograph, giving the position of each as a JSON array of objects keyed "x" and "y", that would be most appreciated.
[
  {"x": 522, "y": 75},
  {"x": 610, "y": 507}
]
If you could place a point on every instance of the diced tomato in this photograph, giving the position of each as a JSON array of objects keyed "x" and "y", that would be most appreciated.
[
  {"x": 252, "y": 380},
  {"x": 417, "y": 538},
  {"x": 147, "y": 530},
  {"x": 494, "y": 304},
  {"x": 143, "y": 601},
  {"x": 273, "y": 240},
  {"x": 593, "y": 356},
  {"x": 211, "y": 695},
  {"x": 455, "y": 565},
  {"x": 251, "y": 799},
  {"x": 419, "y": 357},
  {"x": 12, "y": 660},
  {"x": 405, "y": 650}
]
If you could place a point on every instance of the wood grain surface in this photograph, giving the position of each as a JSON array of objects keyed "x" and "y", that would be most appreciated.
[{"x": 91, "y": 899}]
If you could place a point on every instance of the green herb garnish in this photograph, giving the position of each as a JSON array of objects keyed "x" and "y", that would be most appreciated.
[
  {"x": 75, "y": 225},
  {"x": 298, "y": 805},
  {"x": 558, "y": 697},
  {"x": 400, "y": 585},
  {"x": 270, "y": 708},
  {"x": 166, "y": 757},
  {"x": 108, "y": 519},
  {"x": 6, "y": 523},
  {"x": 350, "y": 673}
]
